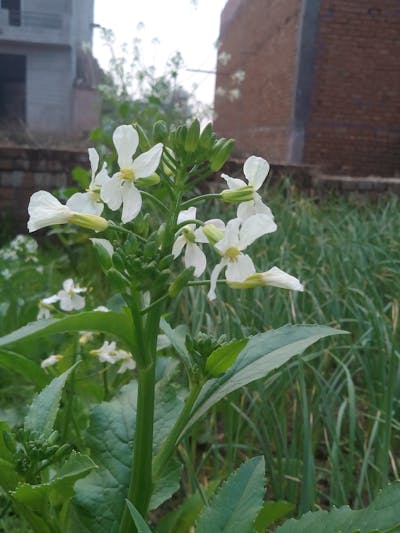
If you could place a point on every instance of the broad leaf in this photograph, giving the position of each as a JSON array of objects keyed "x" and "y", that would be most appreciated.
[
  {"x": 263, "y": 353},
  {"x": 43, "y": 410},
  {"x": 137, "y": 518},
  {"x": 177, "y": 338},
  {"x": 223, "y": 357},
  {"x": 237, "y": 503},
  {"x": 382, "y": 515},
  {"x": 8, "y": 476},
  {"x": 24, "y": 366},
  {"x": 182, "y": 518},
  {"x": 118, "y": 324},
  {"x": 100, "y": 497},
  {"x": 272, "y": 512}
]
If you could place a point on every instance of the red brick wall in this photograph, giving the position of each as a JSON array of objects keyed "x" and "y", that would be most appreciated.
[
  {"x": 261, "y": 36},
  {"x": 26, "y": 170},
  {"x": 354, "y": 124}
]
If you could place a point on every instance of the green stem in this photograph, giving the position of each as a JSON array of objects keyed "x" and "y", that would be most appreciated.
[
  {"x": 154, "y": 199},
  {"x": 169, "y": 445},
  {"x": 197, "y": 199},
  {"x": 140, "y": 485}
]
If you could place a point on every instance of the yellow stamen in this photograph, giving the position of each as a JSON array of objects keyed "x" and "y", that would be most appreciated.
[
  {"x": 232, "y": 253},
  {"x": 127, "y": 174}
]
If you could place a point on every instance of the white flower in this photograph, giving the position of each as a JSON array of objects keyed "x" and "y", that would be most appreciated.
[
  {"x": 188, "y": 237},
  {"x": 108, "y": 353},
  {"x": 255, "y": 171},
  {"x": 128, "y": 363},
  {"x": 120, "y": 189},
  {"x": 69, "y": 296},
  {"x": 89, "y": 201},
  {"x": 237, "y": 236},
  {"x": 51, "y": 360},
  {"x": 85, "y": 337},
  {"x": 45, "y": 307},
  {"x": 274, "y": 277},
  {"x": 45, "y": 210}
]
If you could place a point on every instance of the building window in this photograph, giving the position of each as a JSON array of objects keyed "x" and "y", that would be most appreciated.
[
  {"x": 14, "y": 11},
  {"x": 12, "y": 88}
]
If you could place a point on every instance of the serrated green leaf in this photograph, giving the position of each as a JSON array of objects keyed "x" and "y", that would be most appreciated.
[
  {"x": 99, "y": 498},
  {"x": 22, "y": 365},
  {"x": 382, "y": 515},
  {"x": 118, "y": 324},
  {"x": 263, "y": 353},
  {"x": 167, "y": 485},
  {"x": 223, "y": 357},
  {"x": 237, "y": 503},
  {"x": 272, "y": 512},
  {"x": 137, "y": 518},
  {"x": 42, "y": 412},
  {"x": 181, "y": 519},
  {"x": 177, "y": 337}
]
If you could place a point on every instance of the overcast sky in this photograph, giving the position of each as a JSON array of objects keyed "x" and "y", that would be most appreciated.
[{"x": 184, "y": 25}]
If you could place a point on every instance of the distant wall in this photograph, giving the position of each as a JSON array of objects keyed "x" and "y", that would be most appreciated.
[
  {"x": 261, "y": 36},
  {"x": 26, "y": 170},
  {"x": 355, "y": 108}
]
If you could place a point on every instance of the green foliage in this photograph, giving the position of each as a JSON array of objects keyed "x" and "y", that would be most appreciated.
[
  {"x": 271, "y": 513},
  {"x": 118, "y": 324},
  {"x": 42, "y": 413},
  {"x": 382, "y": 516},
  {"x": 140, "y": 524},
  {"x": 99, "y": 499},
  {"x": 263, "y": 353},
  {"x": 237, "y": 503}
]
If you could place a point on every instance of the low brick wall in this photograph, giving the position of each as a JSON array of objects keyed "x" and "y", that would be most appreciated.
[{"x": 26, "y": 170}]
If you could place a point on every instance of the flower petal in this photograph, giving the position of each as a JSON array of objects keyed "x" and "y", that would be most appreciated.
[
  {"x": 278, "y": 278},
  {"x": 240, "y": 269},
  {"x": 187, "y": 214},
  {"x": 253, "y": 207},
  {"x": 178, "y": 246},
  {"x": 102, "y": 177},
  {"x": 146, "y": 164},
  {"x": 231, "y": 236},
  {"x": 126, "y": 140},
  {"x": 256, "y": 170},
  {"x": 195, "y": 257},
  {"x": 253, "y": 228},
  {"x": 94, "y": 162},
  {"x": 111, "y": 192},
  {"x": 44, "y": 210},
  {"x": 132, "y": 202},
  {"x": 214, "y": 278},
  {"x": 85, "y": 202},
  {"x": 233, "y": 183}
]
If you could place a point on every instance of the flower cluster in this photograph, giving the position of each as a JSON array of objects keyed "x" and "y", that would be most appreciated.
[
  {"x": 230, "y": 241},
  {"x": 109, "y": 353}
]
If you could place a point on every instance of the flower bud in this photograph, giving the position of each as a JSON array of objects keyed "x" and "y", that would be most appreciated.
[
  {"x": 275, "y": 277},
  {"x": 88, "y": 221},
  {"x": 237, "y": 196},
  {"x": 181, "y": 281},
  {"x": 192, "y": 137},
  {"x": 212, "y": 233},
  {"x": 153, "y": 179},
  {"x": 220, "y": 153}
]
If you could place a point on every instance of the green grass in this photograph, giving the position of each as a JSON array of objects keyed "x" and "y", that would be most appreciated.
[{"x": 328, "y": 423}]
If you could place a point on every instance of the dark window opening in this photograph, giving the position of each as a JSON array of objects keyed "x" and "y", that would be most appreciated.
[
  {"x": 12, "y": 87},
  {"x": 14, "y": 11}
]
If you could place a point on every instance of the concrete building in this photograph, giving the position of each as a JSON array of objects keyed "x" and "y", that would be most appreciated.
[
  {"x": 47, "y": 73},
  {"x": 321, "y": 86}
]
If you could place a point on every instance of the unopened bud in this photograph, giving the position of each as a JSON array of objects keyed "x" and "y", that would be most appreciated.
[
  {"x": 212, "y": 233},
  {"x": 154, "y": 179},
  {"x": 88, "y": 221},
  {"x": 236, "y": 196},
  {"x": 181, "y": 281}
]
